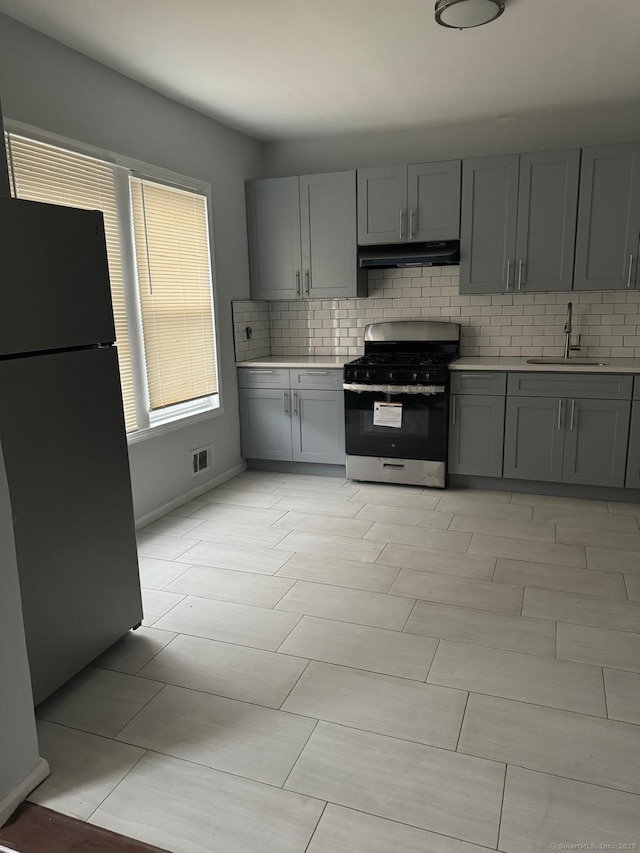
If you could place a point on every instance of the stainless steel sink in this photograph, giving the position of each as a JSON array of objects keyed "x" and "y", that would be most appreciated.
[{"x": 567, "y": 361}]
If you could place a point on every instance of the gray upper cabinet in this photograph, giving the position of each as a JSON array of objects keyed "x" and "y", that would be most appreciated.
[
  {"x": 302, "y": 237},
  {"x": 433, "y": 199},
  {"x": 633, "y": 462},
  {"x": 546, "y": 227},
  {"x": 534, "y": 437},
  {"x": 608, "y": 218},
  {"x": 382, "y": 204},
  {"x": 595, "y": 447},
  {"x": 414, "y": 204},
  {"x": 273, "y": 224},
  {"x": 519, "y": 222},
  {"x": 328, "y": 235},
  {"x": 488, "y": 228},
  {"x": 476, "y": 434}
]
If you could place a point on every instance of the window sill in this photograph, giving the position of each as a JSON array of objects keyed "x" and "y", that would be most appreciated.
[{"x": 141, "y": 435}]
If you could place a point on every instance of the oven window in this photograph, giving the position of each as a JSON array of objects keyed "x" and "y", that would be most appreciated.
[{"x": 422, "y": 434}]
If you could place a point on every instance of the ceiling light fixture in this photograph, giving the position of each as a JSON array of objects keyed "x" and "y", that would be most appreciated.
[{"x": 462, "y": 14}]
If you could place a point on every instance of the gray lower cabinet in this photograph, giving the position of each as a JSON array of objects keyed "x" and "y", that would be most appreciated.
[
  {"x": 299, "y": 424},
  {"x": 596, "y": 440},
  {"x": 476, "y": 434},
  {"x": 633, "y": 459},
  {"x": 566, "y": 440},
  {"x": 608, "y": 218},
  {"x": 317, "y": 426},
  {"x": 265, "y": 424},
  {"x": 534, "y": 438}
]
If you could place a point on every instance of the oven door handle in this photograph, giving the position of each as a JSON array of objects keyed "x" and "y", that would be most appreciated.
[{"x": 426, "y": 390}]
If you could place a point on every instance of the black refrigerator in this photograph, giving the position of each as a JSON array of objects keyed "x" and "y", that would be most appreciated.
[{"x": 63, "y": 437}]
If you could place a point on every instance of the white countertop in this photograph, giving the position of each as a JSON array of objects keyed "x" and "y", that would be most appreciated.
[
  {"x": 322, "y": 362},
  {"x": 519, "y": 363}
]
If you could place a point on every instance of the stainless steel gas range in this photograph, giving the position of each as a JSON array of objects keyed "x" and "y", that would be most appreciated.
[{"x": 396, "y": 403}]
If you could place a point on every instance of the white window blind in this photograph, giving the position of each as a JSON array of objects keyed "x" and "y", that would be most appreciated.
[
  {"x": 174, "y": 281},
  {"x": 41, "y": 172}
]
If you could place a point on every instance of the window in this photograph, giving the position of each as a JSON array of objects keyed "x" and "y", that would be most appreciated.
[{"x": 160, "y": 269}]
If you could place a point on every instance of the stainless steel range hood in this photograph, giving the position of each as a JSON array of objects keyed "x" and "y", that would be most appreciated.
[{"x": 435, "y": 254}]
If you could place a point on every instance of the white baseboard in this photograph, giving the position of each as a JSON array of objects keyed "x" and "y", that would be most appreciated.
[
  {"x": 21, "y": 791},
  {"x": 155, "y": 514}
]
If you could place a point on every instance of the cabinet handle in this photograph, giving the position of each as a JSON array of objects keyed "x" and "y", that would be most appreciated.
[
  {"x": 261, "y": 371},
  {"x": 477, "y": 375},
  {"x": 298, "y": 282},
  {"x": 295, "y": 402},
  {"x": 453, "y": 409},
  {"x": 286, "y": 402},
  {"x": 573, "y": 411},
  {"x": 520, "y": 274},
  {"x": 307, "y": 280},
  {"x": 559, "y": 413},
  {"x": 314, "y": 373},
  {"x": 508, "y": 273},
  {"x": 630, "y": 268},
  {"x": 401, "y": 223},
  {"x": 411, "y": 224}
]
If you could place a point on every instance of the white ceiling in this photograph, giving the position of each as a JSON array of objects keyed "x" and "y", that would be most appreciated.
[{"x": 296, "y": 68}]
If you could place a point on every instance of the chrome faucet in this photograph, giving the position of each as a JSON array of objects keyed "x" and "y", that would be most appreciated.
[{"x": 568, "y": 330}]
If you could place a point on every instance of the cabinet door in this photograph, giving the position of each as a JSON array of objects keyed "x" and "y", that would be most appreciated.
[
  {"x": 273, "y": 225},
  {"x": 596, "y": 438},
  {"x": 382, "y": 204},
  {"x": 488, "y": 228},
  {"x": 608, "y": 218},
  {"x": 533, "y": 438},
  {"x": 329, "y": 235},
  {"x": 265, "y": 423},
  {"x": 433, "y": 197},
  {"x": 318, "y": 426},
  {"x": 547, "y": 214},
  {"x": 633, "y": 461},
  {"x": 476, "y": 435}
]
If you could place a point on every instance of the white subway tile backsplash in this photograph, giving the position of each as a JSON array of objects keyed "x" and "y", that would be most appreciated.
[{"x": 528, "y": 324}]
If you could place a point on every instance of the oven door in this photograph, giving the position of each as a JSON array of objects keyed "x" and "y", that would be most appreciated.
[{"x": 396, "y": 421}]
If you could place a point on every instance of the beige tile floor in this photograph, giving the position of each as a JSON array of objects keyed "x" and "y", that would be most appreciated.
[{"x": 329, "y": 666}]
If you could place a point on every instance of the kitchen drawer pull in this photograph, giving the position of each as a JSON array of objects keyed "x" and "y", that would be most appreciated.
[
  {"x": 477, "y": 375},
  {"x": 314, "y": 373},
  {"x": 573, "y": 411},
  {"x": 261, "y": 371},
  {"x": 559, "y": 413},
  {"x": 630, "y": 268},
  {"x": 298, "y": 282},
  {"x": 286, "y": 402},
  {"x": 295, "y": 402}
]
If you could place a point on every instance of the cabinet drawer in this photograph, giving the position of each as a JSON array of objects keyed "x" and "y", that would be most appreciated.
[
  {"x": 636, "y": 388},
  {"x": 263, "y": 377},
  {"x": 310, "y": 378},
  {"x": 602, "y": 386},
  {"x": 478, "y": 382}
]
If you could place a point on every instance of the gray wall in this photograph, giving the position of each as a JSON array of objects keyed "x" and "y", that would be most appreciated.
[
  {"x": 579, "y": 126},
  {"x": 50, "y": 86},
  {"x": 18, "y": 745}
]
